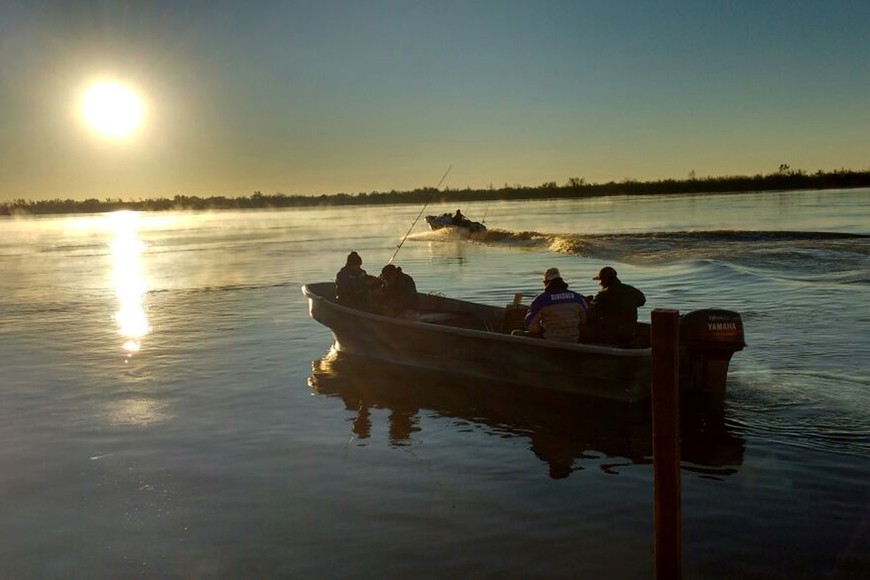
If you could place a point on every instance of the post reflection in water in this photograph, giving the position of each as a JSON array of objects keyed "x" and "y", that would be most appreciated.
[
  {"x": 567, "y": 432},
  {"x": 128, "y": 279}
]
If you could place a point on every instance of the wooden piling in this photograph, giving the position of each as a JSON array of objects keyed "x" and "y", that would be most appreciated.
[{"x": 665, "y": 339}]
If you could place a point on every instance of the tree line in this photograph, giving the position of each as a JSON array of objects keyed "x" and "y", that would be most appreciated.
[{"x": 785, "y": 179}]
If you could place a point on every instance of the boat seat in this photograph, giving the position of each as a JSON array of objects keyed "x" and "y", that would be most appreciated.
[{"x": 514, "y": 317}]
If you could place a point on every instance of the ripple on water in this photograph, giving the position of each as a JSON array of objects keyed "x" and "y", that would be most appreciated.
[
  {"x": 138, "y": 411},
  {"x": 804, "y": 409}
]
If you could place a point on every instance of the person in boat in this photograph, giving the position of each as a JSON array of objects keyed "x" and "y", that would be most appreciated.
[
  {"x": 556, "y": 313},
  {"x": 398, "y": 295},
  {"x": 352, "y": 284},
  {"x": 459, "y": 219},
  {"x": 613, "y": 311}
]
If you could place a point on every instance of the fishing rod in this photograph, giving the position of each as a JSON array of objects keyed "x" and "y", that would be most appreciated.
[
  {"x": 483, "y": 221},
  {"x": 399, "y": 247}
]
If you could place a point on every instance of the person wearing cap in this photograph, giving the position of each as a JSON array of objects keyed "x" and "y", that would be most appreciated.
[
  {"x": 458, "y": 218},
  {"x": 613, "y": 311},
  {"x": 398, "y": 296},
  {"x": 556, "y": 313},
  {"x": 352, "y": 283}
]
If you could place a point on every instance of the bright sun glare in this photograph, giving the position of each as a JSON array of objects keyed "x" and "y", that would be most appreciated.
[{"x": 112, "y": 109}]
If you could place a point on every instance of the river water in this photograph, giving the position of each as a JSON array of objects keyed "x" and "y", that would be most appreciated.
[{"x": 169, "y": 410}]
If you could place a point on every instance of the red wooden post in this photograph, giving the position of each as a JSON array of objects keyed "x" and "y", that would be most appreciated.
[{"x": 665, "y": 340}]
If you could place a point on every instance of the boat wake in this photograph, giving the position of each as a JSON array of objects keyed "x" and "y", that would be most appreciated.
[
  {"x": 447, "y": 235},
  {"x": 753, "y": 248}
]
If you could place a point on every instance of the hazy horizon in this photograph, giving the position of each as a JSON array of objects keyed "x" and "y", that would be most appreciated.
[{"x": 308, "y": 98}]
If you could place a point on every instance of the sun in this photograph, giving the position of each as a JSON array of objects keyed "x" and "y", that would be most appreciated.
[{"x": 112, "y": 109}]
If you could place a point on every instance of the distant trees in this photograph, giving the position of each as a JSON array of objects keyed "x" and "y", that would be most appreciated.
[{"x": 784, "y": 179}]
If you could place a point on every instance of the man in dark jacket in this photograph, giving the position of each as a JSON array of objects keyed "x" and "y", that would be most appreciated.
[
  {"x": 398, "y": 297},
  {"x": 613, "y": 311},
  {"x": 556, "y": 313},
  {"x": 352, "y": 283}
]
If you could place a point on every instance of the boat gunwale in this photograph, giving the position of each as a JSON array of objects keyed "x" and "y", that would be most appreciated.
[{"x": 488, "y": 335}]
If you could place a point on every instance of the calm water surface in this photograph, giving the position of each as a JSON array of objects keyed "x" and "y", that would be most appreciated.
[{"x": 169, "y": 410}]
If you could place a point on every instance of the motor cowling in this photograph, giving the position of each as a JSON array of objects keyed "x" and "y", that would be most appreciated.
[
  {"x": 708, "y": 339},
  {"x": 713, "y": 328}
]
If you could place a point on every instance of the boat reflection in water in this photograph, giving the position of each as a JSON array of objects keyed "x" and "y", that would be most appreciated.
[{"x": 563, "y": 429}]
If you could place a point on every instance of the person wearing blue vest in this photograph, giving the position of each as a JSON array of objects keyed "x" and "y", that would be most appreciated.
[{"x": 556, "y": 313}]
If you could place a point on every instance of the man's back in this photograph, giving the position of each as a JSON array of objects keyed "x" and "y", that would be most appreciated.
[
  {"x": 558, "y": 313},
  {"x": 401, "y": 293},
  {"x": 350, "y": 286},
  {"x": 614, "y": 311}
]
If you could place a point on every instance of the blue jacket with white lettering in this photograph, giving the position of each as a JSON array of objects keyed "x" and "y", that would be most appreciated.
[{"x": 557, "y": 312}]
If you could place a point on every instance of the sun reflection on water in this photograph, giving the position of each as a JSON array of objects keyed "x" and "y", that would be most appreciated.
[
  {"x": 129, "y": 281},
  {"x": 140, "y": 411}
]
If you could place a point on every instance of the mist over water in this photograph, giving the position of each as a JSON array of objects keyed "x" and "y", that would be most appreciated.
[{"x": 170, "y": 410}]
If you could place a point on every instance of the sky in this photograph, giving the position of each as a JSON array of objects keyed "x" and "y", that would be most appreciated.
[{"x": 327, "y": 96}]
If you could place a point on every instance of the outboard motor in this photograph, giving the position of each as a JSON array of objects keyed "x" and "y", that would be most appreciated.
[{"x": 708, "y": 339}]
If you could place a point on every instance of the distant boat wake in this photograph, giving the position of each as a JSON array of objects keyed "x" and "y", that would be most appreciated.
[{"x": 852, "y": 250}]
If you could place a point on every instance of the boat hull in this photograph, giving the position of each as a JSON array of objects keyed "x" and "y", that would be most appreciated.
[
  {"x": 474, "y": 340},
  {"x": 463, "y": 338},
  {"x": 445, "y": 222}
]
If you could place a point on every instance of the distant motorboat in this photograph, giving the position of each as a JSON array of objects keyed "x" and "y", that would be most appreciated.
[{"x": 446, "y": 220}]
